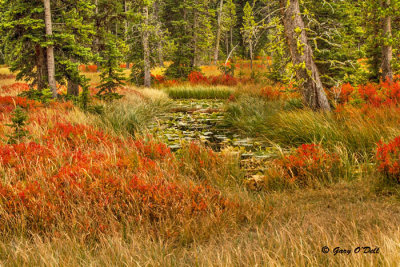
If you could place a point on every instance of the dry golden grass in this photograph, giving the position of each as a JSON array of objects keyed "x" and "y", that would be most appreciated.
[
  {"x": 290, "y": 229},
  {"x": 5, "y": 70}
]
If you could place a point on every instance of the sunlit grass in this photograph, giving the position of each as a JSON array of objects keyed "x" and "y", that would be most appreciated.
[{"x": 199, "y": 92}]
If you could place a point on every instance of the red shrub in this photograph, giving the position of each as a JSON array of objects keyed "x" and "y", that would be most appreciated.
[
  {"x": 77, "y": 135},
  {"x": 92, "y": 68},
  {"x": 388, "y": 158},
  {"x": 170, "y": 83},
  {"x": 158, "y": 79},
  {"x": 124, "y": 65},
  {"x": 153, "y": 150},
  {"x": 82, "y": 190},
  {"x": 345, "y": 92},
  {"x": 81, "y": 179},
  {"x": 197, "y": 77},
  {"x": 385, "y": 93},
  {"x": 307, "y": 164},
  {"x": 15, "y": 88},
  {"x": 163, "y": 81},
  {"x": 225, "y": 79},
  {"x": 8, "y": 103},
  {"x": 6, "y": 76},
  {"x": 88, "y": 68},
  {"x": 270, "y": 93},
  {"x": 82, "y": 67}
]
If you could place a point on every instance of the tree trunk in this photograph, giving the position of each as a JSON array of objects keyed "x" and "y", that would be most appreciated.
[
  {"x": 160, "y": 46},
  {"x": 146, "y": 49},
  {"x": 227, "y": 44},
  {"x": 387, "y": 47},
  {"x": 195, "y": 27},
  {"x": 302, "y": 57},
  {"x": 41, "y": 67},
  {"x": 216, "y": 51},
  {"x": 73, "y": 88},
  {"x": 231, "y": 35},
  {"x": 96, "y": 39},
  {"x": 126, "y": 28},
  {"x": 160, "y": 53},
  {"x": 50, "y": 48},
  {"x": 251, "y": 55}
]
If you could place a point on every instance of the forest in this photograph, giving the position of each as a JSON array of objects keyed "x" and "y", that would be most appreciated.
[{"x": 199, "y": 133}]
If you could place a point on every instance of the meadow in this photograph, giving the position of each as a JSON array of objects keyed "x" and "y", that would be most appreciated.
[{"x": 213, "y": 171}]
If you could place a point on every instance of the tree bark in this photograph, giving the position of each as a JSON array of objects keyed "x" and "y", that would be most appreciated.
[
  {"x": 160, "y": 46},
  {"x": 251, "y": 55},
  {"x": 41, "y": 67},
  {"x": 73, "y": 88},
  {"x": 126, "y": 28},
  {"x": 195, "y": 27},
  {"x": 96, "y": 39},
  {"x": 387, "y": 47},
  {"x": 302, "y": 57},
  {"x": 146, "y": 49},
  {"x": 218, "y": 37},
  {"x": 50, "y": 48}
]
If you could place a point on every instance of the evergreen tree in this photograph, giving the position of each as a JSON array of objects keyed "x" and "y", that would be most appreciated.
[
  {"x": 112, "y": 75},
  {"x": 24, "y": 36}
]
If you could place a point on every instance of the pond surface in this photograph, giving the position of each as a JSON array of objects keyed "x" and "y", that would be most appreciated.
[{"x": 202, "y": 120}]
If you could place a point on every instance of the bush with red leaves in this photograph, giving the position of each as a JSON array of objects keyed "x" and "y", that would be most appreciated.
[
  {"x": 388, "y": 159},
  {"x": 309, "y": 164}
]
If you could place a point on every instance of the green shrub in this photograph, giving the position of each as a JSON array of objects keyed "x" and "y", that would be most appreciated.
[{"x": 44, "y": 96}]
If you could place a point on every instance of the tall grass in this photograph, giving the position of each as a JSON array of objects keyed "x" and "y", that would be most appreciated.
[
  {"x": 353, "y": 129},
  {"x": 292, "y": 233},
  {"x": 133, "y": 113},
  {"x": 199, "y": 92}
]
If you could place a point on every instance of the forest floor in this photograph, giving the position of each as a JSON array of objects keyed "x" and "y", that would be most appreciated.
[{"x": 196, "y": 174}]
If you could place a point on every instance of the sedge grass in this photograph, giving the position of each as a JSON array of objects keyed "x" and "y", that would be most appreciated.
[{"x": 199, "y": 92}]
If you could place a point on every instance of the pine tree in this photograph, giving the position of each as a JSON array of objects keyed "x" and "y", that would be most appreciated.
[
  {"x": 18, "y": 120},
  {"x": 22, "y": 25},
  {"x": 112, "y": 75}
]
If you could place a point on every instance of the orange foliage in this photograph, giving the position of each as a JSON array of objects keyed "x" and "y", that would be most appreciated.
[
  {"x": 271, "y": 93},
  {"x": 307, "y": 162},
  {"x": 388, "y": 158},
  {"x": 15, "y": 88},
  {"x": 198, "y": 78},
  {"x": 78, "y": 178},
  {"x": 6, "y": 76},
  {"x": 385, "y": 93},
  {"x": 88, "y": 68},
  {"x": 8, "y": 103}
]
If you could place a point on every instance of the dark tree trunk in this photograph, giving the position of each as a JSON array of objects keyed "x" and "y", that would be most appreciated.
[
  {"x": 195, "y": 27},
  {"x": 41, "y": 66},
  {"x": 302, "y": 57},
  {"x": 251, "y": 55},
  {"x": 126, "y": 28},
  {"x": 50, "y": 48},
  {"x": 73, "y": 88},
  {"x": 218, "y": 37},
  {"x": 387, "y": 47},
  {"x": 160, "y": 46},
  {"x": 146, "y": 48}
]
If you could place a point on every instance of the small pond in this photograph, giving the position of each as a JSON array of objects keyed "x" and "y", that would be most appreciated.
[{"x": 202, "y": 120}]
